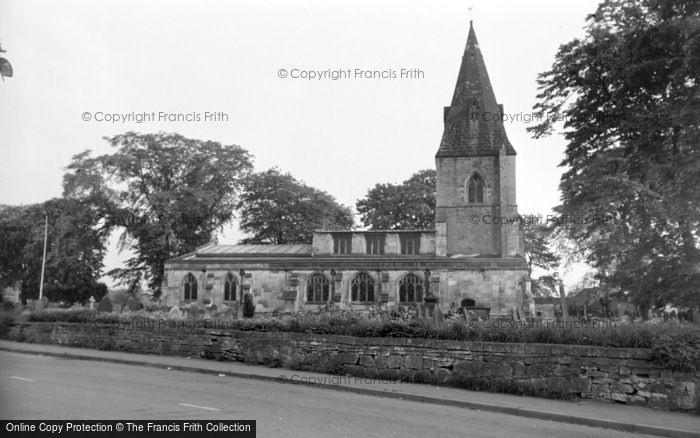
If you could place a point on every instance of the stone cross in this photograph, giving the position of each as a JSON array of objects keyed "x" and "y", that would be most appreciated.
[{"x": 92, "y": 303}]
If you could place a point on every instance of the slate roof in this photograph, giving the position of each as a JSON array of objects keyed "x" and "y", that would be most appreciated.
[
  {"x": 249, "y": 250},
  {"x": 472, "y": 122},
  {"x": 213, "y": 250}
]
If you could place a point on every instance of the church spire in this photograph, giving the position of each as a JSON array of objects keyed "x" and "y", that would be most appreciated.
[{"x": 472, "y": 122}]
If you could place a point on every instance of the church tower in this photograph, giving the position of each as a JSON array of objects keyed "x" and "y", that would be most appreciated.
[{"x": 475, "y": 169}]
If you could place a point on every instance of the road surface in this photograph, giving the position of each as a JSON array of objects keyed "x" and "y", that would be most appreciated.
[{"x": 41, "y": 388}]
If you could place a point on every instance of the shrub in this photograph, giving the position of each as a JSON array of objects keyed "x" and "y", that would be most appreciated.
[
  {"x": 225, "y": 313},
  {"x": 194, "y": 311},
  {"x": 134, "y": 305},
  {"x": 7, "y": 319},
  {"x": 119, "y": 296},
  {"x": 105, "y": 305},
  {"x": 674, "y": 345},
  {"x": 677, "y": 352},
  {"x": 151, "y": 304},
  {"x": 248, "y": 307},
  {"x": 68, "y": 315}
]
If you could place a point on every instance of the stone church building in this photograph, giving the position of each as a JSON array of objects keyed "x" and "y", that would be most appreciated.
[{"x": 470, "y": 257}]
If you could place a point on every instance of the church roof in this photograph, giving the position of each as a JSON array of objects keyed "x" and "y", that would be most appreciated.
[
  {"x": 251, "y": 250},
  {"x": 235, "y": 251},
  {"x": 473, "y": 124}
]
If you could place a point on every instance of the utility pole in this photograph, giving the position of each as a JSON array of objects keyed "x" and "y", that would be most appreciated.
[{"x": 43, "y": 259}]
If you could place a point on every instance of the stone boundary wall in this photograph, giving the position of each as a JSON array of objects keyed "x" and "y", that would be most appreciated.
[{"x": 624, "y": 375}]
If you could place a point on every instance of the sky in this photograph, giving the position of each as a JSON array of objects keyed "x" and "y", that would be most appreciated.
[{"x": 85, "y": 70}]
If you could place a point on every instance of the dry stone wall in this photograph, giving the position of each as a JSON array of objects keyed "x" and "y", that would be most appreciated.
[{"x": 623, "y": 375}]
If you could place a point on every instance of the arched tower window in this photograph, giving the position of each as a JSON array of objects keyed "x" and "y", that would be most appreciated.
[
  {"x": 318, "y": 289},
  {"x": 475, "y": 190},
  {"x": 230, "y": 288},
  {"x": 411, "y": 289},
  {"x": 362, "y": 288},
  {"x": 190, "y": 286}
]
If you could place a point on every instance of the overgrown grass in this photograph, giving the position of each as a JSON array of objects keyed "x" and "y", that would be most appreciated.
[{"x": 674, "y": 345}]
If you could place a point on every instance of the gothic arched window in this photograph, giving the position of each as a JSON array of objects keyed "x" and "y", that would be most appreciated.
[
  {"x": 411, "y": 289},
  {"x": 362, "y": 288},
  {"x": 318, "y": 289},
  {"x": 230, "y": 288},
  {"x": 475, "y": 190},
  {"x": 190, "y": 286}
]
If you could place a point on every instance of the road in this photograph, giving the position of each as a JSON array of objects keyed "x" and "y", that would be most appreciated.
[{"x": 42, "y": 387}]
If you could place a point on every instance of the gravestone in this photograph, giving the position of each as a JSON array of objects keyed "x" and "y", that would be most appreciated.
[{"x": 175, "y": 312}]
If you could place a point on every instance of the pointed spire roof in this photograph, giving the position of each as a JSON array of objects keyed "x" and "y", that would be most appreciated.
[{"x": 472, "y": 122}]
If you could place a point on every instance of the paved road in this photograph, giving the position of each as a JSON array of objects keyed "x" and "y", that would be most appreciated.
[{"x": 41, "y": 387}]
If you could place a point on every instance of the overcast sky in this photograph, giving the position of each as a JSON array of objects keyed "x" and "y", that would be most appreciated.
[{"x": 191, "y": 57}]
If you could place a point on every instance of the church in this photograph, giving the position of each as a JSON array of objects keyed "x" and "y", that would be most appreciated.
[{"x": 470, "y": 258}]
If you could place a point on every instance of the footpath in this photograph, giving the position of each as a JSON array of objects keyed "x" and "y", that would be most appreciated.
[{"x": 584, "y": 412}]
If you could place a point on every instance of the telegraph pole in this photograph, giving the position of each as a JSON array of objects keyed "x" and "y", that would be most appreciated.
[{"x": 43, "y": 258}]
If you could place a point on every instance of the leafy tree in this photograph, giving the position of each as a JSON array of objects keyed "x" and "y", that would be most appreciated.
[
  {"x": 537, "y": 239},
  {"x": 405, "y": 206},
  {"x": 536, "y": 246},
  {"x": 16, "y": 236},
  {"x": 166, "y": 193},
  {"x": 75, "y": 251},
  {"x": 627, "y": 94},
  {"x": 275, "y": 208},
  {"x": 588, "y": 296}
]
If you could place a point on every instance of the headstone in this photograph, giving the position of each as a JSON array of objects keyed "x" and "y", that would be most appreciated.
[
  {"x": 175, "y": 312},
  {"x": 529, "y": 297},
  {"x": 439, "y": 316},
  {"x": 562, "y": 298}
]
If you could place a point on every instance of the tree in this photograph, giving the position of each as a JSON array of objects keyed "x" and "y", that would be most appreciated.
[
  {"x": 627, "y": 93},
  {"x": 75, "y": 254},
  {"x": 406, "y": 206},
  {"x": 75, "y": 251},
  {"x": 275, "y": 208},
  {"x": 166, "y": 193},
  {"x": 16, "y": 236},
  {"x": 588, "y": 297},
  {"x": 537, "y": 239}
]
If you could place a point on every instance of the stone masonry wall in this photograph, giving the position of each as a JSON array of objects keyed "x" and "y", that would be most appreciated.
[
  {"x": 608, "y": 374},
  {"x": 499, "y": 289}
]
